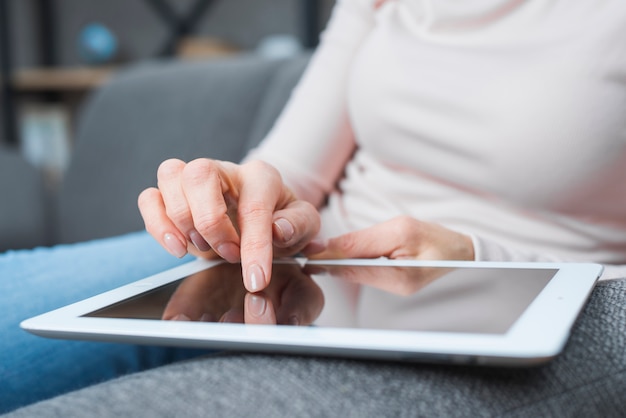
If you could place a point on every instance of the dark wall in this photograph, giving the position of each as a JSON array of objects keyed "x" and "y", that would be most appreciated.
[{"x": 142, "y": 33}]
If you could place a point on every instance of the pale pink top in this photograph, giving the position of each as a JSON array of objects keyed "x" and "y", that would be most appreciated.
[{"x": 502, "y": 119}]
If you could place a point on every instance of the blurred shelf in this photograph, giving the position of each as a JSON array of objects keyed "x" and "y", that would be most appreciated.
[
  {"x": 60, "y": 79},
  {"x": 204, "y": 48}
]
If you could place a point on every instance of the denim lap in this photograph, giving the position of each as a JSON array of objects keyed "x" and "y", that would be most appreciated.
[{"x": 36, "y": 281}]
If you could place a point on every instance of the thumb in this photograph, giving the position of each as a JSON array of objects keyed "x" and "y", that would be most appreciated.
[{"x": 372, "y": 242}]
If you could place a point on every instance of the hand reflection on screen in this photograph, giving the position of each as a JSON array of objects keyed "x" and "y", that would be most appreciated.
[
  {"x": 217, "y": 295},
  {"x": 398, "y": 280}
]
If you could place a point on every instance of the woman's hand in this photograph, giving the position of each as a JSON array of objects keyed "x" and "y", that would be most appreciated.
[
  {"x": 239, "y": 212},
  {"x": 401, "y": 238}
]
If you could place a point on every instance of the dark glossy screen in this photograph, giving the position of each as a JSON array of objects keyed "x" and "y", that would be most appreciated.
[{"x": 474, "y": 300}]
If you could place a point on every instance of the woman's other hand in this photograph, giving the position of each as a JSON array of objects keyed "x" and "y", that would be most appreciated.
[
  {"x": 401, "y": 238},
  {"x": 239, "y": 212}
]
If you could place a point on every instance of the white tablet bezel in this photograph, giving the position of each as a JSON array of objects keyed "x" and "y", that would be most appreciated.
[{"x": 536, "y": 337}]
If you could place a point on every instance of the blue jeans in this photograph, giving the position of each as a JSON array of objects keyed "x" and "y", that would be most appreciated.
[{"x": 35, "y": 281}]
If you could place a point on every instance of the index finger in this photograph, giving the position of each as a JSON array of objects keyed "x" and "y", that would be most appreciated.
[{"x": 259, "y": 195}]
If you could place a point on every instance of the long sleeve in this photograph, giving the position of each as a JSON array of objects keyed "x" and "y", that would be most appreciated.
[
  {"x": 449, "y": 122},
  {"x": 312, "y": 139}
]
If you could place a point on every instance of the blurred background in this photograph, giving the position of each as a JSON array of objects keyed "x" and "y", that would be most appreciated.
[
  {"x": 53, "y": 52},
  {"x": 121, "y": 65}
]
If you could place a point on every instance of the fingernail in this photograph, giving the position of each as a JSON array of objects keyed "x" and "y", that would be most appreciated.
[
  {"x": 256, "y": 278},
  {"x": 257, "y": 306},
  {"x": 232, "y": 316},
  {"x": 207, "y": 317},
  {"x": 285, "y": 229},
  {"x": 181, "y": 317},
  {"x": 174, "y": 246},
  {"x": 199, "y": 241},
  {"x": 293, "y": 320},
  {"x": 229, "y": 252}
]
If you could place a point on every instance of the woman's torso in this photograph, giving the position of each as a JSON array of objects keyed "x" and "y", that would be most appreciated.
[{"x": 506, "y": 119}]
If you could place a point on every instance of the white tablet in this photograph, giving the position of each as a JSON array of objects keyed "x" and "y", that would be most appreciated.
[{"x": 512, "y": 314}]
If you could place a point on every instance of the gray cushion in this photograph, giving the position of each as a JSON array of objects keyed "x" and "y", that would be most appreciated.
[
  {"x": 144, "y": 116},
  {"x": 587, "y": 380},
  {"x": 22, "y": 203}
]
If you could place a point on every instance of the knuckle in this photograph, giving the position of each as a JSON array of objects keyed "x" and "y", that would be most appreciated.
[
  {"x": 208, "y": 223},
  {"x": 254, "y": 210},
  {"x": 146, "y": 197},
  {"x": 349, "y": 243},
  {"x": 306, "y": 223},
  {"x": 405, "y": 221},
  {"x": 170, "y": 168},
  {"x": 178, "y": 213},
  {"x": 405, "y": 225},
  {"x": 256, "y": 244},
  {"x": 199, "y": 171},
  {"x": 255, "y": 167}
]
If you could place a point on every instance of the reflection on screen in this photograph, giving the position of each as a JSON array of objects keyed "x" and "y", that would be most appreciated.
[{"x": 473, "y": 300}]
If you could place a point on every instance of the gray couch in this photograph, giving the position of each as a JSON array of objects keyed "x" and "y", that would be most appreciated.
[
  {"x": 145, "y": 115},
  {"x": 22, "y": 203},
  {"x": 220, "y": 109}
]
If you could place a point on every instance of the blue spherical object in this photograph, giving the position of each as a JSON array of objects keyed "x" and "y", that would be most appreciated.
[{"x": 97, "y": 44}]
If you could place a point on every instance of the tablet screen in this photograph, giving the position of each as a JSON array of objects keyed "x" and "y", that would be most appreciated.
[{"x": 438, "y": 299}]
